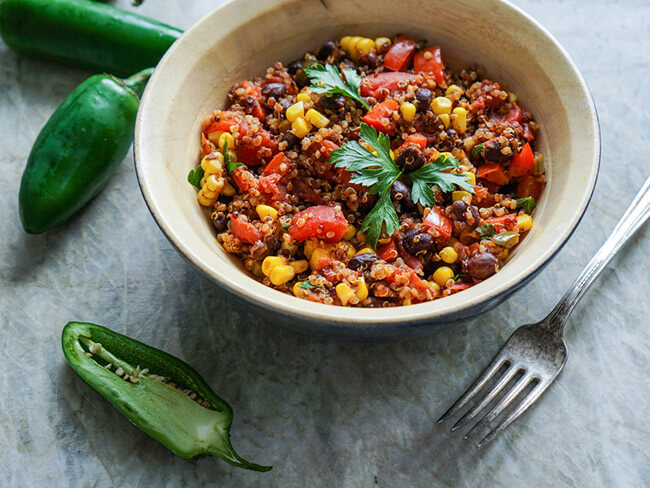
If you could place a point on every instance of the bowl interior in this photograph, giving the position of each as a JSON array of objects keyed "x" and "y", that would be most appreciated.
[{"x": 240, "y": 39}]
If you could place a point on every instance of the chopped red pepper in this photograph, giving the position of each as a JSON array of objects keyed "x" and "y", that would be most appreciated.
[
  {"x": 505, "y": 222},
  {"x": 321, "y": 221},
  {"x": 224, "y": 121},
  {"x": 244, "y": 231},
  {"x": 388, "y": 252},
  {"x": 431, "y": 65},
  {"x": 416, "y": 139},
  {"x": 437, "y": 220},
  {"x": 400, "y": 55},
  {"x": 459, "y": 287},
  {"x": 529, "y": 187},
  {"x": 383, "y": 110},
  {"x": 494, "y": 173},
  {"x": 382, "y": 84},
  {"x": 522, "y": 162},
  {"x": 278, "y": 165},
  {"x": 244, "y": 179},
  {"x": 253, "y": 105}
]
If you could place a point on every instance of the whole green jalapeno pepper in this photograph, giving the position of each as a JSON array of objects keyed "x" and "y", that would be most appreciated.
[
  {"x": 78, "y": 149},
  {"x": 85, "y": 34},
  {"x": 160, "y": 394}
]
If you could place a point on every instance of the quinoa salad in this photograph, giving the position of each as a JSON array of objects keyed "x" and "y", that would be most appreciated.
[{"x": 368, "y": 174}]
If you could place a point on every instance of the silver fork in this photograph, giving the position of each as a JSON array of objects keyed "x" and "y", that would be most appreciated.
[{"x": 535, "y": 354}]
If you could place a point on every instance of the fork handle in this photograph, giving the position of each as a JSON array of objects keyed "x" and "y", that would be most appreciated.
[{"x": 635, "y": 215}]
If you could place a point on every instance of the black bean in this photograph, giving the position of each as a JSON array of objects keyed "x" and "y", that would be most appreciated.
[
  {"x": 423, "y": 96},
  {"x": 482, "y": 265},
  {"x": 475, "y": 216},
  {"x": 401, "y": 194},
  {"x": 410, "y": 158},
  {"x": 459, "y": 208},
  {"x": 290, "y": 138},
  {"x": 272, "y": 244},
  {"x": 326, "y": 50},
  {"x": 275, "y": 90},
  {"x": 492, "y": 151},
  {"x": 220, "y": 221},
  {"x": 362, "y": 262},
  {"x": 417, "y": 242},
  {"x": 294, "y": 66},
  {"x": 372, "y": 60},
  {"x": 334, "y": 103}
]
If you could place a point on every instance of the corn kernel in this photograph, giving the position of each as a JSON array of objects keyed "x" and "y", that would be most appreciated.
[
  {"x": 352, "y": 47},
  {"x": 524, "y": 222},
  {"x": 461, "y": 195},
  {"x": 349, "y": 234},
  {"x": 384, "y": 240},
  {"x": 214, "y": 183},
  {"x": 503, "y": 254},
  {"x": 205, "y": 200},
  {"x": 452, "y": 89},
  {"x": 365, "y": 45},
  {"x": 310, "y": 245},
  {"x": 444, "y": 118},
  {"x": 213, "y": 137},
  {"x": 304, "y": 97},
  {"x": 299, "y": 266},
  {"x": 295, "y": 111},
  {"x": 408, "y": 111},
  {"x": 228, "y": 190},
  {"x": 362, "y": 290},
  {"x": 441, "y": 105},
  {"x": 435, "y": 288},
  {"x": 344, "y": 292},
  {"x": 407, "y": 301},
  {"x": 300, "y": 127},
  {"x": 317, "y": 118},
  {"x": 459, "y": 119},
  {"x": 365, "y": 250},
  {"x": 203, "y": 180},
  {"x": 213, "y": 164},
  {"x": 226, "y": 137},
  {"x": 212, "y": 195},
  {"x": 318, "y": 253},
  {"x": 270, "y": 262},
  {"x": 442, "y": 275},
  {"x": 382, "y": 43},
  {"x": 448, "y": 255},
  {"x": 296, "y": 289},
  {"x": 348, "y": 248},
  {"x": 470, "y": 177},
  {"x": 281, "y": 274},
  {"x": 266, "y": 211},
  {"x": 345, "y": 42}
]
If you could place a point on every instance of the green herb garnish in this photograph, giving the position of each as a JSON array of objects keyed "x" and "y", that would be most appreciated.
[
  {"x": 327, "y": 80},
  {"x": 307, "y": 285},
  {"x": 477, "y": 149},
  {"x": 195, "y": 176},
  {"x": 486, "y": 230},
  {"x": 378, "y": 172},
  {"x": 230, "y": 165},
  {"x": 460, "y": 275},
  {"x": 285, "y": 225},
  {"x": 528, "y": 204}
]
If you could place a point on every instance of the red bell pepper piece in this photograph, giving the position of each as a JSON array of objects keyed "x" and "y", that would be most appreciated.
[
  {"x": 388, "y": 252},
  {"x": 244, "y": 231},
  {"x": 416, "y": 139},
  {"x": 381, "y": 84},
  {"x": 459, "y": 287},
  {"x": 276, "y": 165},
  {"x": 432, "y": 65},
  {"x": 400, "y": 55},
  {"x": 505, "y": 222},
  {"x": 383, "y": 110},
  {"x": 437, "y": 220},
  {"x": 321, "y": 221},
  {"x": 522, "y": 162},
  {"x": 224, "y": 121},
  {"x": 494, "y": 173},
  {"x": 244, "y": 179},
  {"x": 529, "y": 187}
]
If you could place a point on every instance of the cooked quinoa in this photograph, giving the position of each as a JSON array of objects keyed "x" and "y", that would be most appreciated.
[{"x": 295, "y": 219}]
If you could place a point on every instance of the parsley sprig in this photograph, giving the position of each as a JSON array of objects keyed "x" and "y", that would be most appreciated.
[
  {"x": 195, "y": 176},
  {"x": 230, "y": 164},
  {"x": 527, "y": 203},
  {"x": 378, "y": 172},
  {"x": 327, "y": 80}
]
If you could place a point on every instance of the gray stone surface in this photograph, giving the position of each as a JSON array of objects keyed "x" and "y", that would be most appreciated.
[{"x": 323, "y": 413}]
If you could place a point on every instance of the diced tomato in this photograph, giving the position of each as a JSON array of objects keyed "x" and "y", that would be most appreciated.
[
  {"x": 494, "y": 173},
  {"x": 400, "y": 55},
  {"x": 321, "y": 221},
  {"x": 388, "y": 252},
  {"x": 244, "y": 231},
  {"x": 247, "y": 153},
  {"x": 522, "y": 162},
  {"x": 437, "y": 220},
  {"x": 253, "y": 96},
  {"x": 323, "y": 263},
  {"x": 270, "y": 187},
  {"x": 505, "y": 222},
  {"x": 224, "y": 121},
  {"x": 417, "y": 140},
  {"x": 381, "y": 84},
  {"x": 244, "y": 179},
  {"x": 422, "y": 63},
  {"x": 327, "y": 147},
  {"x": 419, "y": 283},
  {"x": 459, "y": 287},
  {"x": 515, "y": 114},
  {"x": 383, "y": 110},
  {"x": 276, "y": 165},
  {"x": 529, "y": 187}
]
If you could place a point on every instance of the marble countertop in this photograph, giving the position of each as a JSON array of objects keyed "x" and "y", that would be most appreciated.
[{"x": 323, "y": 413}]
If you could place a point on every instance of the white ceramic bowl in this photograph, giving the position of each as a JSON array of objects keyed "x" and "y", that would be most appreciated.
[{"x": 240, "y": 39}]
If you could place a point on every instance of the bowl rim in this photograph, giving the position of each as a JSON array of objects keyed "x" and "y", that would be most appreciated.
[{"x": 371, "y": 318}]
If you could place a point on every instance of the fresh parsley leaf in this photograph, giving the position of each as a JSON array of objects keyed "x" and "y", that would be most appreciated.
[
  {"x": 477, "y": 149},
  {"x": 382, "y": 214},
  {"x": 432, "y": 174},
  {"x": 327, "y": 80},
  {"x": 286, "y": 225},
  {"x": 307, "y": 285},
  {"x": 374, "y": 171},
  {"x": 527, "y": 203},
  {"x": 195, "y": 176},
  {"x": 230, "y": 165},
  {"x": 486, "y": 230},
  {"x": 460, "y": 275}
]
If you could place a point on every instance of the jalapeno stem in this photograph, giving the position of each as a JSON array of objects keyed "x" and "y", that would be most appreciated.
[{"x": 138, "y": 81}]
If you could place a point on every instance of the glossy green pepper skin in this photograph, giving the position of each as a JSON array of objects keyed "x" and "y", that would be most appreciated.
[
  {"x": 78, "y": 149},
  {"x": 85, "y": 34},
  {"x": 164, "y": 412}
]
